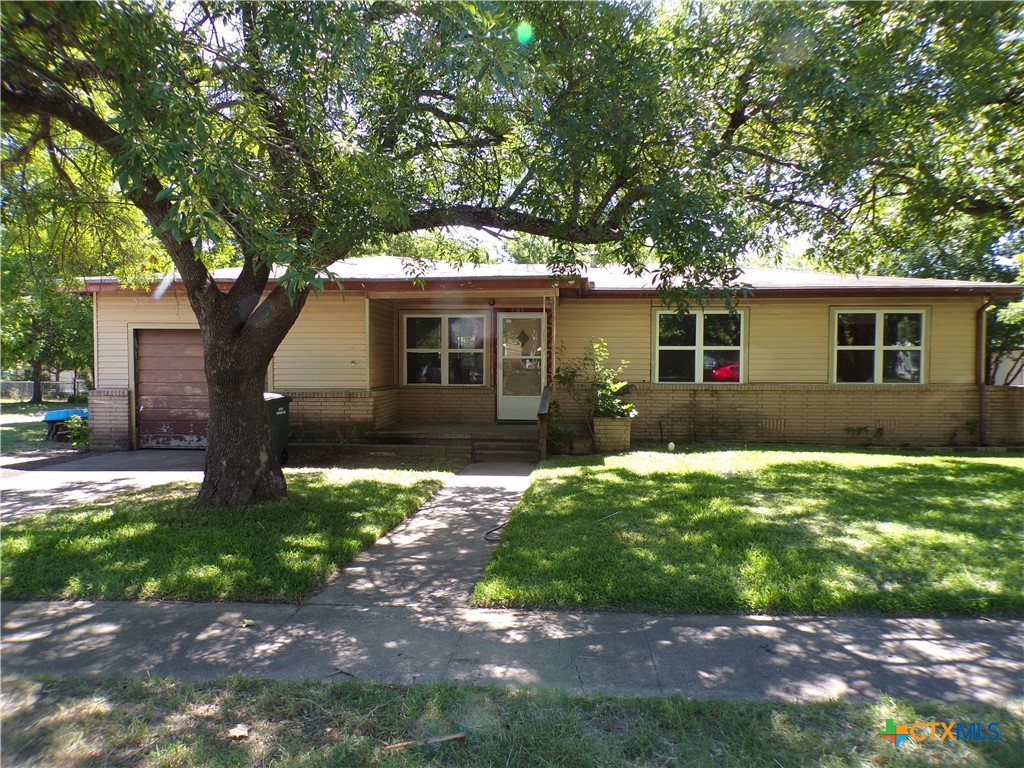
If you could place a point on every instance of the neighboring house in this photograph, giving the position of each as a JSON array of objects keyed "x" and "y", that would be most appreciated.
[{"x": 810, "y": 357}]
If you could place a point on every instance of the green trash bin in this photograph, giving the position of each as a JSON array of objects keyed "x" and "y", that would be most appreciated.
[{"x": 277, "y": 420}]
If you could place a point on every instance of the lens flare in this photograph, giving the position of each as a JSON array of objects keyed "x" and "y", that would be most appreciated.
[{"x": 524, "y": 33}]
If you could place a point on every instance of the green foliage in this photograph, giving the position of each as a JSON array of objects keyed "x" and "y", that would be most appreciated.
[
  {"x": 684, "y": 135},
  {"x": 594, "y": 386},
  {"x": 44, "y": 325},
  {"x": 77, "y": 430},
  {"x": 776, "y": 531}
]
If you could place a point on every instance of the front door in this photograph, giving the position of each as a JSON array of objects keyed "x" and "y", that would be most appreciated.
[{"x": 521, "y": 364}]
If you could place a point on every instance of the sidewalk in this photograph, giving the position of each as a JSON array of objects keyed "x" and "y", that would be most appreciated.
[{"x": 399, "y": 612}]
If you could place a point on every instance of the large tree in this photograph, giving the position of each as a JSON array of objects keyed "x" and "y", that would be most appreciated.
[{"x": 306, "y": 132}]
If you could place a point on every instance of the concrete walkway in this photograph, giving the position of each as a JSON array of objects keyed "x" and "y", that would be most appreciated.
[
  {"x": 400, "y": 612},
  {"x": 25, "y": 492}
]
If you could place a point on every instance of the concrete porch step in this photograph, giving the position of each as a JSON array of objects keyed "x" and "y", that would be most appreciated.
[
  {"x": 323, "y": 450},
  {"x": 523, "y": 449},
  {"x": 505, "y": 455}
]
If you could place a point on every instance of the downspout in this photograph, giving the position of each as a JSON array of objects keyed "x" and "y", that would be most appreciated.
[{"x": 980, "y": 365}]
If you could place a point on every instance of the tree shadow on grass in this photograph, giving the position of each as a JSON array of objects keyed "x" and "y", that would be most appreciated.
[
  {"x": 160, "y": 543},
  {"x": 912, "y": 537}
]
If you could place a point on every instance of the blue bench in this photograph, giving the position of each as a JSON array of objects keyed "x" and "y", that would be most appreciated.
[{"x": 54, "y": 420}]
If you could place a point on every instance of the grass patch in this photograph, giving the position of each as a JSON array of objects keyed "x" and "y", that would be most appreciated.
[
  {"x": 21, "y": 430},
  {"x": 775, "y": 531},
  {"x": 162, "y": 722},
  {"x": 159, "y": 543}
]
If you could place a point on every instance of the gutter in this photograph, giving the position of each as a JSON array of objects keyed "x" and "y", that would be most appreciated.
[{"x": 981, "y": 359}]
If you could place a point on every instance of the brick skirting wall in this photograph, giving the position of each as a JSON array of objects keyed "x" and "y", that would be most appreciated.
[
  {"x": 823, "y": 413},
  {"x": 446, "y": 405},
  {"x": 319, "y": 416},
  {"x": 109, "y": 420},
  {"x": 781, "y": 413}
]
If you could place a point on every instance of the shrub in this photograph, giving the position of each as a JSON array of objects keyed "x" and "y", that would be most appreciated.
[{"x": 77, "y": 430}]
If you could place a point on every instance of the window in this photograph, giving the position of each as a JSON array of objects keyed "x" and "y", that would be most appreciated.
[
  {"x": 879, "y": 346},
  {"x": 444, "y": 349},
  {"x": 699, "y": 347}
]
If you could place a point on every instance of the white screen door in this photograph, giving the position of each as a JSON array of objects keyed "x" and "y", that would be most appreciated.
[{"x": 521, "y": 364}]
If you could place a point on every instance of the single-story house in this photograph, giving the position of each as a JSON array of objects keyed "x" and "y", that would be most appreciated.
[{"x": 808, "y": 357}]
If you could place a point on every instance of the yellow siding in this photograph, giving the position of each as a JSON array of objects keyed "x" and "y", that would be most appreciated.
[
  {"x": 624, "y": 324},
  {"x": 383, "y": 343},
  {"x": 115, "y": 312},
  {"x": 952, "y": 341},
  {"x": 319, "y": 351},
  {"x": 787, "y": 341}
]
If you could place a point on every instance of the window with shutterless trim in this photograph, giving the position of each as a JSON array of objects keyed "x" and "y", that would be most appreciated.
[
  {"x": 878, "y": 346},
  {"x": 700, "y": 347},
  {"x": 444, "y": 348}
]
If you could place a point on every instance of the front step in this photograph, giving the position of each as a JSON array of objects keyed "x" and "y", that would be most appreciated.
[
  {"x": 325, "y": 450},
  {"x": 505, "y": 450}
]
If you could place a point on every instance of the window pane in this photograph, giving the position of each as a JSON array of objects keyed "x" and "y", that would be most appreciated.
[
  {"x": 901, "y": 329},
  {"x": 855, "y": 365},
  {"x": 676, "y": 365},
  {"x": 521, "y": 336},
  {"x": 466, "y": 332},
  {"x": 722, "y": 330},
  {"x": 466, "y": 368},
  {"x": 423, "y": 367},
  {"x": 521, "y": 376},
  {"x": 720, "y": 365},
  {"x": 423, "y": 332},
  {"x": 901, "y": 366},
  {"x": 676, "y": 331},
  {"x": 856, "y": 329}
]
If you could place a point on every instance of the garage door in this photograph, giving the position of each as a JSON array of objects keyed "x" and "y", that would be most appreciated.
[{"x": 170, "y": 389}]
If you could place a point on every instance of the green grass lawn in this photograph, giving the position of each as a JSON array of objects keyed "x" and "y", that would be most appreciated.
[
  {"x": 159, "y": 543},
  {"x": 27, "y": 434},
  {"x": 160, "y": 722},
  {"x": 769, "y": 530}
]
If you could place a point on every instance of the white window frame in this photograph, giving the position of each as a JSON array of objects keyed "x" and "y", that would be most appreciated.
[
  {"x": 445, "y": 348},
  {"x": 878, "y": 347},
  {"x": 699, "y": 348}
]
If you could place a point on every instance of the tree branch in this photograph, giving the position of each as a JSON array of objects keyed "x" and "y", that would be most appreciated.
[
  {"x": 478, "y": 217},
  {"x": 28, "y": 100},
  {"x": 41, "y": 131}
]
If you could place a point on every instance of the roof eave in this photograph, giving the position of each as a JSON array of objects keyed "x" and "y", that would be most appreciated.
[{"x": 999, "y": 292}]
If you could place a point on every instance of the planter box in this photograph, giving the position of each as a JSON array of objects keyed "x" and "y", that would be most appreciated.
[{"x": 611, "y": 435}]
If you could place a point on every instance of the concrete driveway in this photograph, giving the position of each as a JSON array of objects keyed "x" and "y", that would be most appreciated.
[{"x": 26, "y": 491}]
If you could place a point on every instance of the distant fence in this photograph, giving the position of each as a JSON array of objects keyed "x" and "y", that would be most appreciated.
[{"x": 52, "y": 390}]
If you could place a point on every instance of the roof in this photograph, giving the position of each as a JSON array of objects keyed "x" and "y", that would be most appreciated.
[{"x": 393, "y": 271}]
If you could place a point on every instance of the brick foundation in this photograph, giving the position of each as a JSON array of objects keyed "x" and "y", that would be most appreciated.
[
  {"x": 446, "y": 405},
  {"x": 109, "y": 420},
  {"x": 757, "y": 413},
  {"x": 1005, "y": 409},
  {"x": 318, "y": 416},
  {"x": 821, "y": 413}
]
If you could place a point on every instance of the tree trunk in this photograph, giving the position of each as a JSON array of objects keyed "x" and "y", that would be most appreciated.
[
  {"x": 37, "y": 383},
  {"x": 241, "y": 465}
]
